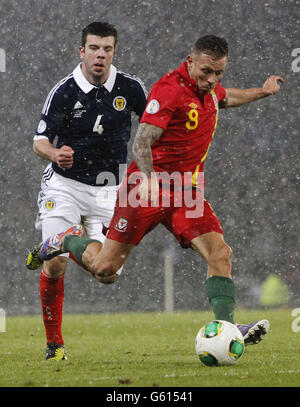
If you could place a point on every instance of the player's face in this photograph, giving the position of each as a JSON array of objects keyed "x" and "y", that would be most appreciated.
[
  {"x": 97, "y": 56},
  {"x": 206, "y": 71}
]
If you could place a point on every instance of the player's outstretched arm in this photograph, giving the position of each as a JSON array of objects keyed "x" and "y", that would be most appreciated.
[
  {"x": 62, "y": 156},
  {"x": 238, "y": 97}
]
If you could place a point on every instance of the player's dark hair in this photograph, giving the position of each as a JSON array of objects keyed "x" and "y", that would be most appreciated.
[
  {"x": 101, "y": 29},
  {"x": 212, "y": 45}
]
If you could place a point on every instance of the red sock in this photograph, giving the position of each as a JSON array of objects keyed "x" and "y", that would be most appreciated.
[{"x": 52, "y": 298}]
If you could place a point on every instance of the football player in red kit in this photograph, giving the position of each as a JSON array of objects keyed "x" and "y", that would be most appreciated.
[{"x": 174, "y": 137}]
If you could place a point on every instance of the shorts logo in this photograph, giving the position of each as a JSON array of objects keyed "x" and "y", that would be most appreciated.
[
  {"x": 42, "y": 126},
  {"x": 119, "y": 103},
  {"x": 153, "y": 107},
  {"x": 50, "y": 205},
  {"x": 122, "y": 225}
]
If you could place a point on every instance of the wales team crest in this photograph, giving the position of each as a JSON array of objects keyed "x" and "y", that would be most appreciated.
[{"x": 122, "y": 225}]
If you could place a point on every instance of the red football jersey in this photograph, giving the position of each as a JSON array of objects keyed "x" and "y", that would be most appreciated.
[{"x": 188, "y": 121}]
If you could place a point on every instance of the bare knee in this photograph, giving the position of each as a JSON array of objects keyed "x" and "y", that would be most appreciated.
[
  {"x": 220, "y": 253},
  {"x": 55, "y": 267},
  {"x": 105, "y": 268},
  {"x": 109, "y": 261}
]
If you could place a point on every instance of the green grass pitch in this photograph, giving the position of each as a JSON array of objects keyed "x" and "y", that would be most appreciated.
[{"x": 145, "y": 350}]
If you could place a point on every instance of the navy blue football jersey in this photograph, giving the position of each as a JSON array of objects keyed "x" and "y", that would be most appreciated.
[{"x": 94, "y": 121}]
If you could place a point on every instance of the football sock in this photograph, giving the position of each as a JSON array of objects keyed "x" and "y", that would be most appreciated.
[
  {"x": 77, "y": 246},
  {"x": 221, "y": 293},
  {"x": 52, "y": 298},
  {"x": 79, "y": 264}
]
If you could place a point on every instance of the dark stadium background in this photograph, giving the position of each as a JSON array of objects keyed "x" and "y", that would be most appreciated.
[{"x": 251, "y": 171}]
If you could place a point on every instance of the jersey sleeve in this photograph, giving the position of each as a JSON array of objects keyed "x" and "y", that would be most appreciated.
[
  {"x": 161, "y": 104},
  {"x": 52, "y": 117},
  {"x": 220, "y": 92},
  {"x": 139, "y": 97}
]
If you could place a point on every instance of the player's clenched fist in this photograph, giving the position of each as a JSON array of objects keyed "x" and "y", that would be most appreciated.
[
  {"x": 63, "y": 157},
  {"x": 272, "y": 84}
]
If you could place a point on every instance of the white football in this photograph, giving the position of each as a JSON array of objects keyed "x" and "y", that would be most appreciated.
[{"x": 219, "y": 343}]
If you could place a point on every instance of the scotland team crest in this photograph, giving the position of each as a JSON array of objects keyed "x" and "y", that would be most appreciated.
[
  {"x": 50, "y": 204},
  {"x": 119, "y": 103}
]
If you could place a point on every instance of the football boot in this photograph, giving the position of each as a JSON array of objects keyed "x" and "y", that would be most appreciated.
[
  {"x": 55, "y": 352},
  {"x": 33, "y": 258},
  {"x": 53, "y": 246},
  {"x": 253, "y": 333}
]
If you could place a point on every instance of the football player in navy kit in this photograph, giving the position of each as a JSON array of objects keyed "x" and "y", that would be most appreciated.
[{"x": 88, "y": 115}]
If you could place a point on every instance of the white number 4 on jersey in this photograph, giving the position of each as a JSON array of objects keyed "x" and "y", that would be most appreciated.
[{"x": 98, "y": 128}]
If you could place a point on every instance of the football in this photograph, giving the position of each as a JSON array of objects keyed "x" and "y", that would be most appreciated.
[{"x": 219, "y": 343}]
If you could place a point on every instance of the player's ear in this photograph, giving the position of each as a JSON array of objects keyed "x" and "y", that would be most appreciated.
[
  {"x": 189, "y": 59},
  {"x": 81, "y": 51}
]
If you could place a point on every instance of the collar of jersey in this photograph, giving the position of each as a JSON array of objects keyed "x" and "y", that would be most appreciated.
[
  {"x": 184, "y": 72},
  {"x": 86, "y": 86}
]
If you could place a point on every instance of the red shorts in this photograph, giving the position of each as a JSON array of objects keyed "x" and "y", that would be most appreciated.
[{"x": 130, "y": 224}]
